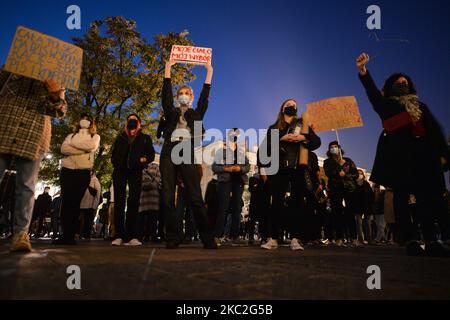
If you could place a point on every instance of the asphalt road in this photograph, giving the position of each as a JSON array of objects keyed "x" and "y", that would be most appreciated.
[{"x": 241, "y": 272}]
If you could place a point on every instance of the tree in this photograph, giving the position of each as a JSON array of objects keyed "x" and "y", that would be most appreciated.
[{"x": 122, "y": 73}]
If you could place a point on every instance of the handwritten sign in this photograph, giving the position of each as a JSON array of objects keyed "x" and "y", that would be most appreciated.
[
  {"x": 334, "y": 113},
  {"x": 191, "y": 55},
  {"x": 41, "y": 57}
]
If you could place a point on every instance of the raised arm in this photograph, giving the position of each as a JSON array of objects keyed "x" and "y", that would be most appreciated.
[
  {"x": 375, "y": 96},
  {"x": 203, "y": 101},
  {"x": 167, "y": 93}
]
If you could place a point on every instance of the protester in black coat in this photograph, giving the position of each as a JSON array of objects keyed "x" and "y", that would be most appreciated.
[
  {"x": 342, "y": 174},
  {"x": 132, "y": 152},
  {"x": 411, "y": 153},
  {"x": 290, "y": 173},
  {"x": 180, "y": 132},
  {"x": 41, "y": 209}
]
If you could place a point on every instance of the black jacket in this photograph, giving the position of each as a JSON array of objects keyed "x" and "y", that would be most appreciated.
[
  {"x": 289, "y": 151},
  {"x": 172, "y": 114},
  {"x": 43, "y": 204},
  {"x": 337, "y": 183},
  {"x": 126, "y": 155},
  {"x": 402, "y": 160}
]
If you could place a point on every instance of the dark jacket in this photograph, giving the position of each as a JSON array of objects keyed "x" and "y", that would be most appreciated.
[
  {"x": 218, "y": 166},
  {"x": 289, "y": 151},
  {"x": 172, "y": 114},
  {"x": 126, "y": 155},
  {"x": 403, "y": 160},
  {"x": 42, "y": 204},
  {"x": 337, "y": 183}
]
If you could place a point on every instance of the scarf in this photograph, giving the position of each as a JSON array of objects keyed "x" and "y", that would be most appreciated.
[{"x": 411, "y": 104}]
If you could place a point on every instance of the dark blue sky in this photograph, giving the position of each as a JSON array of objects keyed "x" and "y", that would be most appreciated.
[{"x": 306, "y": 50}]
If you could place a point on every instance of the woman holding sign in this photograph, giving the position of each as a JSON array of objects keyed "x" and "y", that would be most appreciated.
[
  {"x": 292, "y": 172},
  {"x": 179, "y": 132},
  {"x": 411, "y": 157}
]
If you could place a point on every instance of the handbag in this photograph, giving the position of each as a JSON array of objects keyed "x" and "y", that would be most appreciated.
[{"x": 92, "y": 191}]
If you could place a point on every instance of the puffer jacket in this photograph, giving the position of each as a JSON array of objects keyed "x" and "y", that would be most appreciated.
[{"x": 79, "y": 149}]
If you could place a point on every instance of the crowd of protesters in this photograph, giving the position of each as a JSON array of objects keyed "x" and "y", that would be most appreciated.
[{"x": 301, "y": 205}]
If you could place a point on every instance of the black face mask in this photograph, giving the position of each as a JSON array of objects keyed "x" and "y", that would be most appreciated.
[
  {"x": 132, "y": 124},
  {"x": 399, "y": 89},
  {"x": 290, "y": 111}
]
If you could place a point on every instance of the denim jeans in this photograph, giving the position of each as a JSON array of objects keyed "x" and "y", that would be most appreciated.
[
  {"x": 26, "y": 180},
  {"x": 224, "y": 199}
]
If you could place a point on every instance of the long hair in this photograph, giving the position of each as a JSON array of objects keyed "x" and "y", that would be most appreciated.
[
  {"x": 280, "y": 124},
  {"x": 387, "y": 88},
  {"x": 92, "y": 127}
]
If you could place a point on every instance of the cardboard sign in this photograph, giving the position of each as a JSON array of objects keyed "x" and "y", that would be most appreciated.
[
  {"x": 191, "y": 55},
  {"x": 41, "y": 57},
  {"x": 334, "y": 113}
]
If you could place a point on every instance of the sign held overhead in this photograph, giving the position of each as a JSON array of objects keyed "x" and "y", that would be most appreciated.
[
  {"x": 41, "y": 57},
  {"x": 191, "y": 55}
]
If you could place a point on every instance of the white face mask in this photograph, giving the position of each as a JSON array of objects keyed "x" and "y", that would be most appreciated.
[
  {"x": 334, "y": 151},
  {"x": 84, "y": 124},
  {"x": 184, "y": 99}
]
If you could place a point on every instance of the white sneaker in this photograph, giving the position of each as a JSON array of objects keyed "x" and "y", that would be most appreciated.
[
  {"x": 117, "y": 242},
  {"x": 295, "y": 245},
  {"x": 134, "y": 242},
  {"x": 271, "y": 244}
]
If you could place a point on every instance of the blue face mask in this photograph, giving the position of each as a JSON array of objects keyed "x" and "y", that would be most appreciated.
[{"x": 184, "y": 99}]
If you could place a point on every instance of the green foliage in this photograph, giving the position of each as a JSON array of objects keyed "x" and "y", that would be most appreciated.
[{"x": 122, "y": 73}]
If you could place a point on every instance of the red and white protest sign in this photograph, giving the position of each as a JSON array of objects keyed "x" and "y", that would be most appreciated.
[{"x": 191, "y": 55}]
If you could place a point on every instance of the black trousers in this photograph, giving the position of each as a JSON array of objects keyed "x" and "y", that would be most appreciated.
[
  {"x": 343, "y": 219},
  {"x": 126, "y": 229},
  {"x": 259, "y": 212},
  {"x": 279, "y": 185},
  {"x": 191, "y": 180},
  {"x": 73, "y": 186},
  {"x": 88, "y": 221}
]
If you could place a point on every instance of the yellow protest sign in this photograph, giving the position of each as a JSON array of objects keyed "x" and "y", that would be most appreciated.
[
  {"x": 38, "y": 56},
  {"x": 334, "y": 113}
]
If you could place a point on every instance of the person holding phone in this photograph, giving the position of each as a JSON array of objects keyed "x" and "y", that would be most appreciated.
[{"x": 290, "y": 174}]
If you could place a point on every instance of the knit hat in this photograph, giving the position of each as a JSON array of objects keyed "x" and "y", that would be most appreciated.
[{"x": 334, "y": 143}]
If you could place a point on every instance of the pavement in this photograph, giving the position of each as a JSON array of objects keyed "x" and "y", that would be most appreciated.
[{"x": 232, "y": 272}]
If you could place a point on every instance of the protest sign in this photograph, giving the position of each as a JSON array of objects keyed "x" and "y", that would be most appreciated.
[
  {"x": 41, "y": 57},
  {"x": 334, "y": 113},
  {"x": 191, "y": 55}
]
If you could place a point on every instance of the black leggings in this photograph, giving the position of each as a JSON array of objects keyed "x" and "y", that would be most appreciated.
[
  {"x": 73, "y": 186},
  {"x": 343, "y": 219},
  {"x": 191, "y": 180},
  {"x": 279, "y": 185}
]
